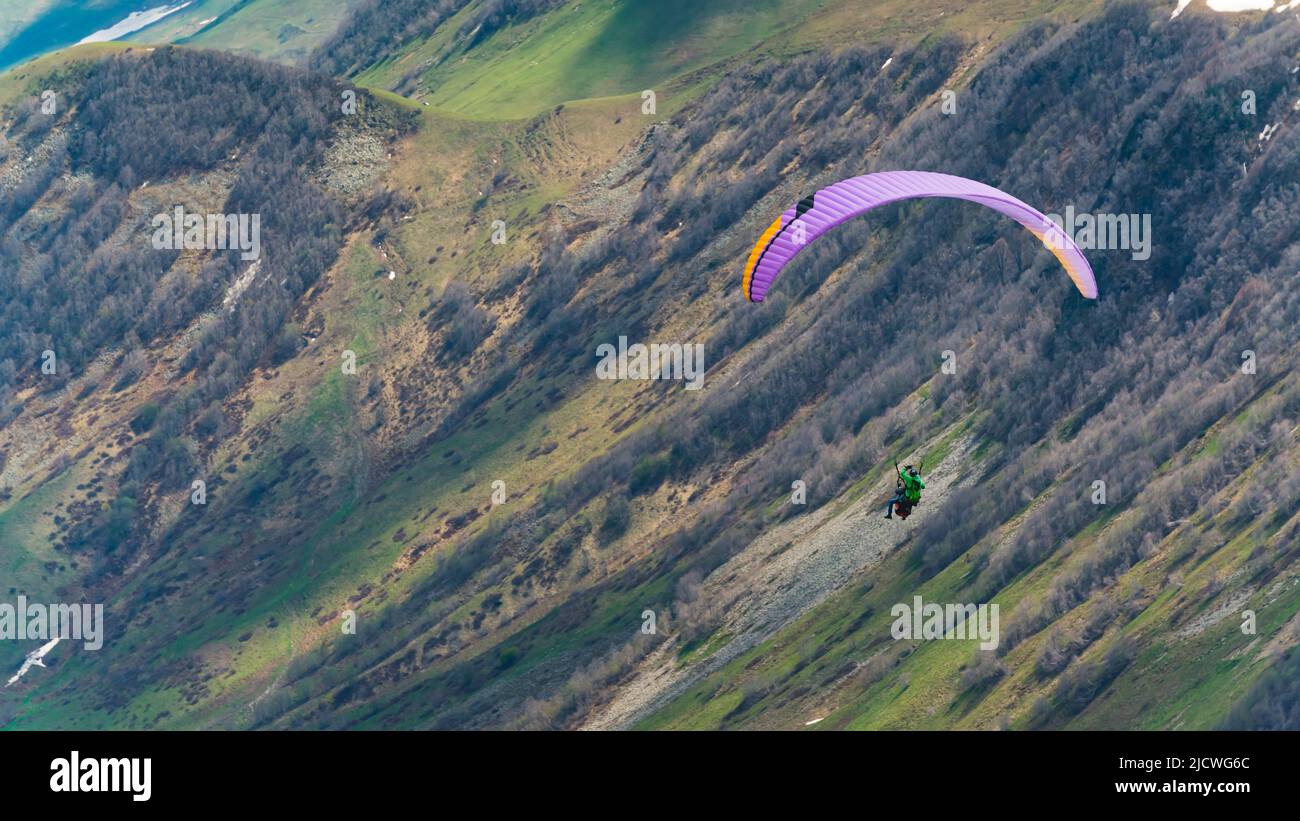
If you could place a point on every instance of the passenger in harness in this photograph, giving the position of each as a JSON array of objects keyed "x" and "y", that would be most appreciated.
[{"x": 907, "y": 492}]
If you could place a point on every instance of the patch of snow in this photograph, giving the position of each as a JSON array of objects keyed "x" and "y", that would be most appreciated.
[
  {"x": 134, "y": 21},
  {"x": 1239, "y": 5},
  {"x": 1228, "y": 6},
  {"x": 240, "y": 285},
  {"x": 33, "y": 660}
]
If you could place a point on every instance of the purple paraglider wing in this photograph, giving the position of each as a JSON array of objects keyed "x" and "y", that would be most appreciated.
[{"x": 814, "y": 215}]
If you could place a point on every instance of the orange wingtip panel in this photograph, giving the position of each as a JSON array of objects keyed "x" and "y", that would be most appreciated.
[{"x": 754, "y": 255}]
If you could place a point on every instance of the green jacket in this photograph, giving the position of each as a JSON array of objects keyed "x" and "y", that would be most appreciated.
[{"x": 912, "y": 487}]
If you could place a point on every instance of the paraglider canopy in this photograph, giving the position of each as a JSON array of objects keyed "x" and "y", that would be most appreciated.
[{"x": 816, "y": 214}]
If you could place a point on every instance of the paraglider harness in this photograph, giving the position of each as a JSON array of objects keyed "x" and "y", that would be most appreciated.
[{"x": 907, "y": 491}]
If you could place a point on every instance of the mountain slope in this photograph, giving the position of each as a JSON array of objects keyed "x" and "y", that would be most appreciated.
[
  {"x": 512, "y": 59},
  {"x": 334, "y": 494}
]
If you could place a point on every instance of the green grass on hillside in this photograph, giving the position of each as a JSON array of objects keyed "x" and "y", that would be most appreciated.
[
  {"x": 285, "y": 31},
  {"x": 592, "y": 49},
  {"x": 17, "y": 81}
]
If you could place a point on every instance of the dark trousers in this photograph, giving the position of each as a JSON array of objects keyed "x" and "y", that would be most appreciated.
[{"x": 898, "y": 497}]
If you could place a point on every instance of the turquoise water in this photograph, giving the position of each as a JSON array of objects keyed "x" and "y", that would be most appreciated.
[{"x": 66, "y": 23}]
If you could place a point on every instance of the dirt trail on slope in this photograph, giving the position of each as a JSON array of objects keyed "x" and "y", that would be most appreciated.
[{"x": 767, "y": 586}]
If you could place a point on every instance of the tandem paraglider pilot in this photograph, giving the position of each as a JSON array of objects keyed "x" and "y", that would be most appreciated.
[{"x": 907, "y": 492}]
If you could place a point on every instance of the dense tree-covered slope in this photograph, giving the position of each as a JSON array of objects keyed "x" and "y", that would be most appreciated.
[{"x": 400, "y": 427}]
